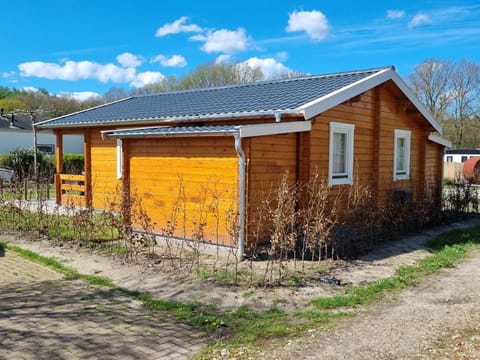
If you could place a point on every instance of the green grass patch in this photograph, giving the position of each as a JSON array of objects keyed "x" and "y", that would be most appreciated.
[
  {"x": 447, "y": 249},
  {"x": 116, "y": 249},
  {"x": 94, "y": 228},
  {"x": 69, "y": 273}
]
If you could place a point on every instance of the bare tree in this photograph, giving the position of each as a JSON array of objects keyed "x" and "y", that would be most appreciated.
[
  {"x": 220, "y": 74},
  {"x": 465, "y": 94},
  {"x": 451, "y": 91},
  {"x": 114, "y": 93},
  {"x": 431, "y": 82}
]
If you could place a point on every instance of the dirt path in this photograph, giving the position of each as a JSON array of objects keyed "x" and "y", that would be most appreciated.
[{"x": 439, "y": 319}]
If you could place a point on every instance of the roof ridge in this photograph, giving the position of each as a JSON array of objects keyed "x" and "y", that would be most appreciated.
[{"x": 266, "y": 82}]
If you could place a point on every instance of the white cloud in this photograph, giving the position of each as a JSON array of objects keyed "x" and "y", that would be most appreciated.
[
  {"x": 84, "y": 70},
  {"x": 147, "y": 78},
  {"x": 178, "y": 26},
  {"x": 30, "y": 88},
  {"x": 223, "y": 40},
  {"x": 129, "y": 60},
  {"x": 270, "y": 67},
  {"x": 80, "y": 95},
  {"x": 395, "y": 14},
  {"x": 173, "y": 61},
  {"x": 419, "y": 19},
  {"x": 9, "y": 74},
  {"x": 73, "y": 70},
  {"x": 314, "y": 23}
]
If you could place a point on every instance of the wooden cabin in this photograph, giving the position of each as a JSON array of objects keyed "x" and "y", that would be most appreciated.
[{"x": 196, "y": 158}]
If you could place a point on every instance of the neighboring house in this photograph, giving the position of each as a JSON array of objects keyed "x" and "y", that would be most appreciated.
[
  {"x": 17, "y": 133},
  {"x": 454, "y": 160},
  {"x": 202, "y": 154},
  {"x": 459, "y": 155}
]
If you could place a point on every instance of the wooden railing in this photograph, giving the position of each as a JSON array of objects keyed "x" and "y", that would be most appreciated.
[{"x": 70, "y": 189}]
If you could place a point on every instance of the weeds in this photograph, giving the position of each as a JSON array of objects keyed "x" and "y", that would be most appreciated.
[{"x": 289, "y": 226}]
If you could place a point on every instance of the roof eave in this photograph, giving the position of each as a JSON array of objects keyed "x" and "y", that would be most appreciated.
[
  {"x": 43, "y": 124},
  {"x": 244, "y": 131},
  {"x": 172, "y": 119},
  {"x": 439, "y": 140}
]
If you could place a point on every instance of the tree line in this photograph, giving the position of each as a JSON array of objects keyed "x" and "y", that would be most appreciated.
[{"x": 450, "y": 91}]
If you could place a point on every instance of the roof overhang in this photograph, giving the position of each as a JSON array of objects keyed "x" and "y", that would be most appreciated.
[
  {"x": 173, "y": 119},
  {"x": 439, "y": 140},
  {"x": 243, "y": 131},
  {"x": 350, "y": 91}
]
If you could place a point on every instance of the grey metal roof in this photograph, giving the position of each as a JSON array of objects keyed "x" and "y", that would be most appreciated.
[
  {"x": 229, "y": 101},
  {"x": 462, "y": 151},
  {"x": 175, "y": 131}
]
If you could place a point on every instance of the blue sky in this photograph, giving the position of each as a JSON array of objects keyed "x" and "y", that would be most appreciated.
[{"x": 82, "y": 47}]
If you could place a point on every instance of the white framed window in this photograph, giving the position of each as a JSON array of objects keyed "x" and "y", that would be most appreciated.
[
  {"x": 401, "y": 160},
  {"x": 340, "y": 169},
  {"x": 119, "y": 158}
]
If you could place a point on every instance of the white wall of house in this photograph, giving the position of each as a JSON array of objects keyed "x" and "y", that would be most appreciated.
[
  {"x": 457, "y": 158},
  {"x": 11, "y": 139}
]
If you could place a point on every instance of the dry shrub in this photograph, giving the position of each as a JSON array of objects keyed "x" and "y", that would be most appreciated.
[
  {"x": 288, "y": 222},
  {"x": 283, "y": 233},
  {"x": 318, "y": 219}
]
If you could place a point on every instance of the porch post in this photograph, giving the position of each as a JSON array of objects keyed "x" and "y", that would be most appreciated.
[
  {"x": 59, "y": 167},
  {"x": 87, "y": 167},
  {"x": 126, "y": 202},
  {"x": 377, "y": 123}
]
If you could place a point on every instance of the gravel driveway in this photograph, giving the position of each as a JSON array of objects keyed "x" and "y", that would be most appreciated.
[{"x": 425, "y": 322}]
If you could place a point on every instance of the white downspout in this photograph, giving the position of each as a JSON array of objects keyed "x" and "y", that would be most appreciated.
[{"x": 241, "y": 195}]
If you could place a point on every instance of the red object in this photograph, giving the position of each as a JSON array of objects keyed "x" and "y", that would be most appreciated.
[{"x": 471, "y": 169}]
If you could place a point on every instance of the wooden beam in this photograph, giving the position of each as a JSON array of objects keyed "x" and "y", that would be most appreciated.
[
  {"x": 59, "y": 167},
  {"x": 87, "y": 166},
  {"x": 126, "y": 200},
  {"x": 353, "y": 100},
  {"x": 376, "y": 141}
]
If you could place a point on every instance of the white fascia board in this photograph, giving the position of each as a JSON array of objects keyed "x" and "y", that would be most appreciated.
[
  {"x": 274, "y": 128},
  {"x": 348, "y": 92},
  {"x": 439, "y": 140},
  {"x": 339, "y": 96}
]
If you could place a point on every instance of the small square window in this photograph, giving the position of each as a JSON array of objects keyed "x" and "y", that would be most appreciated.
[
  {"x": 449, "y": 158},
  {"x": 341, "y": 153},
  {"x": 464, "y": 158}
]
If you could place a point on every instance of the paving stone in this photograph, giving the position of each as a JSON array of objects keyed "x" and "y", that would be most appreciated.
[{"x": 44, "y": 316}]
